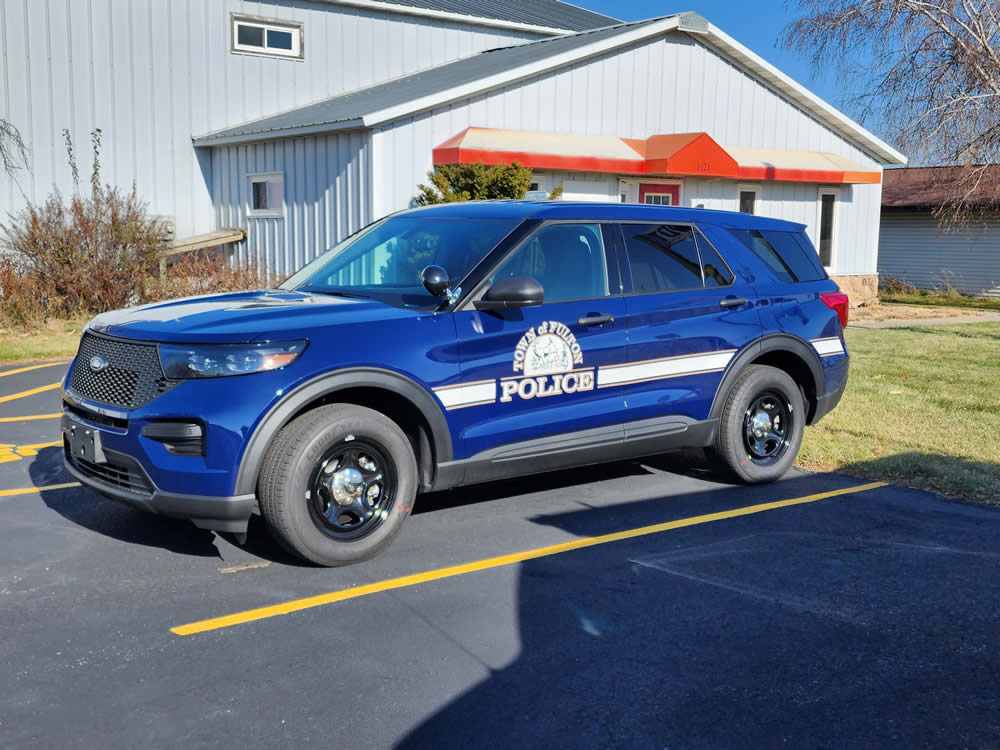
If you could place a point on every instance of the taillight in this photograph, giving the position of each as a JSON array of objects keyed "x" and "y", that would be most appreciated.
[{"x": 837, "y": 301}]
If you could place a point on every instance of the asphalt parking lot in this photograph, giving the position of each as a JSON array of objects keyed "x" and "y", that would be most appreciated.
[{"x": 639, "y": 605}]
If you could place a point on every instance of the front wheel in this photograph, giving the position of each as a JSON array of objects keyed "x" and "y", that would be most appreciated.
[
  {"x": 337, "y": 484},
  {"x": 761, "y": 426}
]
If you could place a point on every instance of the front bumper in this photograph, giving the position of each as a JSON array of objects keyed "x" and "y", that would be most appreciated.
[{"x": 122, "y": 478}]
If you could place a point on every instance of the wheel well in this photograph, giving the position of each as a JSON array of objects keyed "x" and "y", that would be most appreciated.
[
  {"x": 397, "y": 408},
  {"x": 798, "y": 370}
]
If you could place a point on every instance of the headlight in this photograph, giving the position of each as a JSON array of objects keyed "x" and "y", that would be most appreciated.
[{"x": 220, "y": 360}]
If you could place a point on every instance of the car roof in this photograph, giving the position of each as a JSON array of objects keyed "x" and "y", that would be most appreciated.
[{"x": 545, "y": 210}]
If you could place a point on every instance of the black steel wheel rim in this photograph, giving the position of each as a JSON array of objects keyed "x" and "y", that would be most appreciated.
[
  {"x": 351, "y": 489},
  {"x": 767, "y": 426}
]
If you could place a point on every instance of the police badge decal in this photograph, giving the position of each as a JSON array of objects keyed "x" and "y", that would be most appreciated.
[{"x": 547, "y": 356}]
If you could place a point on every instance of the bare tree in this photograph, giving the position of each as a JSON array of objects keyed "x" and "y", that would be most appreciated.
[
  {"x": 13, "y": 152},
  {"x": 928, "y": 71}
]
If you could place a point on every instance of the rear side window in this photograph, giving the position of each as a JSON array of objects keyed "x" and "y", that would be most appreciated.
[
  {"x": 662, "y": 258},
  {"x": 665, "y": 258},
  {"x": 782, "y": 253},
  {"x": 717, "y": 273}
]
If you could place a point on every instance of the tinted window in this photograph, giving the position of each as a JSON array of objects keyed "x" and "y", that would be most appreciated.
[
  {"x": 566, "y": 259},
  {"x": 804, "y": 263},
  {"x": 748, "y": 202},
  {"x": 662, "y": 257},
  {"x": 781, "y": 253},
  {"x": 716, "y": 272}
]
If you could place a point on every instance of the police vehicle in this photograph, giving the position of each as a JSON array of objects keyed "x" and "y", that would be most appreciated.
[{"x": 457, "y": 344}]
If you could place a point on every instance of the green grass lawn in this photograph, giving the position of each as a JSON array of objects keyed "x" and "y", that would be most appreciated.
[
  {"x": 56, "y": 339},
  {"x": 938, "y": 299},
  {"x": 922, "y": 409}
]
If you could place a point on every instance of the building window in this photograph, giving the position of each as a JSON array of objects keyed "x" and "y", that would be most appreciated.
[
  {"x": 827, "y": 224},
  {"x": 260, "y": 36},
  {"x": 267, "y": 195},
  {"x": 659, "y": 199},
  {"x": 748, "y": 200}
]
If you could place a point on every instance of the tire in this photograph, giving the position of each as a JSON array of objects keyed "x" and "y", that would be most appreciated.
[
  {"x": 739, "y": 447},
  {"x": 311, "y": 461}
]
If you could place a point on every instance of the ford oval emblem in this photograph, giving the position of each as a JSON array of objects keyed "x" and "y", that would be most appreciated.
[{"x": 98, "y": 363}]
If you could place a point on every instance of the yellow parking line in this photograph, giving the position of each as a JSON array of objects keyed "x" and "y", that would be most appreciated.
[
  {"x": 34, "y": 367},
  {"x": 496, "y": 562},
  {"x": 32, "y": 392},
  {"x": 32, "y": 450},
  {"x": 30, "y": 418},
  {"x": 31, "y": 490}
]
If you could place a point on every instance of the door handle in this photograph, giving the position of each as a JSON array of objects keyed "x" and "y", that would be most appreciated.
[
  {"x": 595, "y": 320},
  {"x": 733, "y": 302}
]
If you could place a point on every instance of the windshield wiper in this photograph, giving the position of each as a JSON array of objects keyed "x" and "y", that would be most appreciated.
[{"x": 331, "y": 292}]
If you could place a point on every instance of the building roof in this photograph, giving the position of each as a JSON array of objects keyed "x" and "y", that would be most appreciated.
[
  {"x": 548, "y": 14},
  {"x": 933, "y": 187},
  {"x": 461, "y": 79}
]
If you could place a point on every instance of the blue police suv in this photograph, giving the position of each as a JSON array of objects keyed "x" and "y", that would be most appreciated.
[{"x": 458, "y": 344}]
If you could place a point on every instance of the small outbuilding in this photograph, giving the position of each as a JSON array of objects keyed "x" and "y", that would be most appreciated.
[{"x": 914, "y": 248}]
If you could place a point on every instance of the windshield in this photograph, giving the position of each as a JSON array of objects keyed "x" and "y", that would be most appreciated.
[{"x": 385, "y": 261}]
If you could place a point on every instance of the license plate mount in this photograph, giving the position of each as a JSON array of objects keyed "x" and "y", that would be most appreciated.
[{"x": 85, "y": 443}]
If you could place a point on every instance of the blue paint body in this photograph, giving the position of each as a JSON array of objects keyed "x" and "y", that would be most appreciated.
[{"x": 456, "y": 346}]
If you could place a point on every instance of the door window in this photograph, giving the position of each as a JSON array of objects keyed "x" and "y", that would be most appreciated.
[
  {"x": 662, "y": 258},
  {"x": 566, "y": 259}
]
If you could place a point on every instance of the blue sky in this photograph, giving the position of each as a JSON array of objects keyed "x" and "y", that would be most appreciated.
[{"x": 755, "y": 23}]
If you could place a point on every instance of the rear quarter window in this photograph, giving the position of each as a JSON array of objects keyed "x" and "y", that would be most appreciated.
[{"x": 785, "y": 254}]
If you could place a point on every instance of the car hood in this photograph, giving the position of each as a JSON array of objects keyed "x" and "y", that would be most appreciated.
[{"x": 241, "y": 317}]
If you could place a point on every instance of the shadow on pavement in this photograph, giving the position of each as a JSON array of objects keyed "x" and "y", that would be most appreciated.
[{"x": 819, "y": 627}]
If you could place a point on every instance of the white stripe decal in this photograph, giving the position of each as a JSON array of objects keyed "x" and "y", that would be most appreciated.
[
  {"x": 454, "y": 397},
  {"x": 826, "y": 347},
  {"x": 663, "y": 368}
]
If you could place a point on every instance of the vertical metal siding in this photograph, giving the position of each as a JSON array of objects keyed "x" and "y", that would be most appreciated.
[
  {"x": 912, "y": 248},
  {"x": 152, "y": 73},
  {"x": 673, "y": 84},
  {"x": 325, "y": 196}
]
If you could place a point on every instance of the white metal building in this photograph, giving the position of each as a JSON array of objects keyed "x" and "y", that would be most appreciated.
[{"x": 301, "y": 121}]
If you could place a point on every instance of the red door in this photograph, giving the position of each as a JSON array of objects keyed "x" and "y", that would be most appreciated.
[{"x": 659, "y": 195}]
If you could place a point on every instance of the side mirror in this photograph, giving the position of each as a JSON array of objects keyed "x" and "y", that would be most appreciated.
[
  {"x": 512, "y": 292},
  {"x": 435, "y": 280}
]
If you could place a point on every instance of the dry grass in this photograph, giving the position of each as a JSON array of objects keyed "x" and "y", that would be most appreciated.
[
  {"x": 921, "y": 409},
  {"x": 909, "y": 312},
  {"x": 54, "y": 339}
]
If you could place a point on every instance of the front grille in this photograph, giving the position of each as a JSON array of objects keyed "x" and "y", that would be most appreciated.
[
  {"x": 131, "y": 378},
  {"x": 121, "y": 471}
]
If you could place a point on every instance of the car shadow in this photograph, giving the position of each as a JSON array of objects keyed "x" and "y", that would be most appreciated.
[
  {"x": 672, "y": 640},
  {"x": 120, "y": 521}
]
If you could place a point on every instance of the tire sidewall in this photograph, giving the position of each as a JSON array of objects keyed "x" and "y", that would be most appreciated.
[
  {"x": 759, "y": 379},
  {"x": 310, "y": 540}
]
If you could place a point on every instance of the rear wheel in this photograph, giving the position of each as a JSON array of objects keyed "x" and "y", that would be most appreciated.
[
  {"x": 337, "y": 484},
  {"x": 761, "y": 426}
]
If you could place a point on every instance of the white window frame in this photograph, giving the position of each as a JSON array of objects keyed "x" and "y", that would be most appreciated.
[
  {"x": 835, "y": 233},
  {"x": 755, "y": 189},
  {"x": 298, "y": 42},
  {"x": 266, "y": 213}
]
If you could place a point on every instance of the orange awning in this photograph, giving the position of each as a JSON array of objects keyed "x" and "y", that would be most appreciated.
[{"x": 693, "y": 154}]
